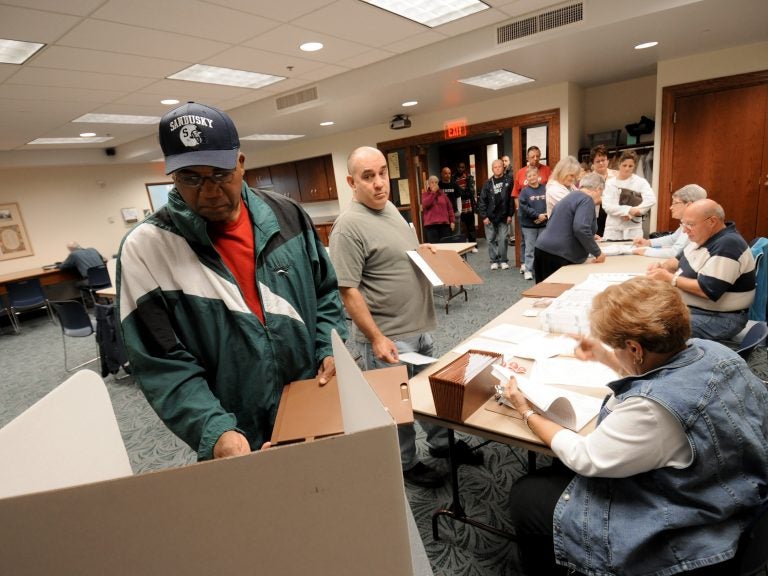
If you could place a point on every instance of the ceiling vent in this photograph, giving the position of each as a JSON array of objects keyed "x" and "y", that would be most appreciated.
[
  {"x": 301, "y": 97},
  {"x": 547, "y": 20}
]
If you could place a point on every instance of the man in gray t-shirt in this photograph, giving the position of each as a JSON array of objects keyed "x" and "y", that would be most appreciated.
[{"x": 388, "y": 299}]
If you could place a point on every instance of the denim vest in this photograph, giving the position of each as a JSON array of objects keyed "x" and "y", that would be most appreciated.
[{"x": 672, "y": 520}]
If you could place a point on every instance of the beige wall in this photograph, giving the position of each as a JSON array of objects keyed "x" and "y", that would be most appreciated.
[{"x": 613, "y": 106}]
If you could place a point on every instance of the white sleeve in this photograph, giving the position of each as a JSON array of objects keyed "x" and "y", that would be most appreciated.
[
  {"x": 649, "y": 196},
  {"x": 637, "y": 436}
]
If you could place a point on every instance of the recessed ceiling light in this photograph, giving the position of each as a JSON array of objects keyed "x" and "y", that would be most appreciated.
[
  {"x": 311, "y": 46},
  {"x": 95, "y": 140},
  {"x": 225, "y": 76},
  {"x": 431, "y": 12},
  {"x": 15, "y": 52},
  {"x": 169, "y": 101},
  {"x": 87, "y": 134},
  {"x": 326, "y": 123},
  {"x": 410, "y": 103},
  {"x": 272, "y": 137},
  {"x": 497, "y": 80},
  {"x": 645, "y": 45},
  {"x": 117, "y": 119}
]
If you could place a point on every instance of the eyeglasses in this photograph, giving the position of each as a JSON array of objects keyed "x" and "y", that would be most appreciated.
[
  {"x": 677, "y": 202},
  {"x": 194, "y": 180},
  {"x": 691, "y": 225}
]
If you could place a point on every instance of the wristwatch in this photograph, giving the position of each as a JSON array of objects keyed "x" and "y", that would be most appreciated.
[
  {"x": 527, "y": 414},
  {"x": 676, "y": 276}
]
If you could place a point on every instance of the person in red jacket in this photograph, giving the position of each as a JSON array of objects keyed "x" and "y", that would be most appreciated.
[{"x": 437, "y": 212}]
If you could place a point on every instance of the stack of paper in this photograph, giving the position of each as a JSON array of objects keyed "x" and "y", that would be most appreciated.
[
  {"x": 461, "y": 387},
  {"x": 568, "y": 313}
]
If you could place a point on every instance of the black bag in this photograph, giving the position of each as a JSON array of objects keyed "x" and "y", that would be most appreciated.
[{"x": 629, "y": 197}]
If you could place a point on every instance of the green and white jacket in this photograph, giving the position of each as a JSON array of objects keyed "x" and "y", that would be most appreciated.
[{"x": 205, "y": 362}]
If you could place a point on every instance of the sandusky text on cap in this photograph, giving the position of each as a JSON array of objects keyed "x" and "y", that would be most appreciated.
[{"x": 189, "y": 119}]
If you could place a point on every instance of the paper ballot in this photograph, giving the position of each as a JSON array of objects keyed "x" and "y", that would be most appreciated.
[{"x": 565, "y": 407}]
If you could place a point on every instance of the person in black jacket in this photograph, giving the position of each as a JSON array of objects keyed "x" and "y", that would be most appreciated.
[{"x": 496, "y": 209}]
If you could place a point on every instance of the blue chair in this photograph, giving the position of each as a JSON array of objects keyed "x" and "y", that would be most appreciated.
[
  {"x": 755, "y": 336},
  {"x": 26, "y": 295},
  {"x": 11, "y": 318},
  {"x": 75, "y": 323},
  {"x": 759, "y": 308},
  {"x": 98, "y": 278}
]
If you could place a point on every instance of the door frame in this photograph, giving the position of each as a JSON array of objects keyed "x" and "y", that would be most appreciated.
[{"x": 515, "y": 123}]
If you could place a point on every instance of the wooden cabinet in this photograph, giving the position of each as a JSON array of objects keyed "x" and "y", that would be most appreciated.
[
  {"x": 324, "y": 232},
  {"x": 285, "y": 181},
  {"x": 258, "y": 177},
  {"x": 330, "y": 176}
]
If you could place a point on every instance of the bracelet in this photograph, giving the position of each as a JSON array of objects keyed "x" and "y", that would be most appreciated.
[{"x": 527, "y": 414}]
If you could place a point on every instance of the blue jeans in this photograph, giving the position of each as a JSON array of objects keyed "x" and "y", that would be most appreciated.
[
  {"x": 717, "y": 326},
  {"x": 437, "y": 437},
  {"x": 530, "y": 235},
  {"x": 496, "y": 235}
]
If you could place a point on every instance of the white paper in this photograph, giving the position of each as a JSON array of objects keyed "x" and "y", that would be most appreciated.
[
  {"x": 416, "y": 359},
  {"x": 425, "y": 268},
  {"x": 572, "y": 372},
  {"x": 486, "y": 344},
  {"x": 544, "y": 347},
  {"x": 616, "y": 250},
  {"x": 512, "y": 333}
]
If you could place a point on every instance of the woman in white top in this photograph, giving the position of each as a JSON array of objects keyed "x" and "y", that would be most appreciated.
[
  {"x": 625, "y": 222},
  {"x": 562, "y": 181},
  {"x": 672, "y": 245}
]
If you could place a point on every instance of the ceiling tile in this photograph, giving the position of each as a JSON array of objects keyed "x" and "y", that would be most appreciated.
[
  {"x": 111, "y": 37},
  {"x": 33, "y": 25},
  {"x": 280, "y": 11},
  {"x": 70, "y": 79},
  {"x": 66, "y": 58},
  {"x": 260, "y": 61},
  {"x": 75, "y": 7},
  {"x": 189, "y": 17},
  {"x": 286, "y": 39}
]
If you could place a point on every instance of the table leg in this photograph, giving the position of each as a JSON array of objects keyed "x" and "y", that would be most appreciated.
[{"x": 455, "y": 511}]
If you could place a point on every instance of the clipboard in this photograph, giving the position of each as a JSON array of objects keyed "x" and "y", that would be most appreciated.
[
  {"x": 449, "y": 268},
  {"x": 308, "y": 411},
  {"x": 546, "y": 290}
]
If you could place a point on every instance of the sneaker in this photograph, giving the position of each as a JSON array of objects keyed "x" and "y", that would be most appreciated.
[
  {"x": 461, "y": 452},
  {"x": 528, "y": 276},
  {"x": 423, "y": 475},
  {"x": 522, "y": 269},
  {"x": 494, "y": 266},
  {"x": 504, "y": 266}
]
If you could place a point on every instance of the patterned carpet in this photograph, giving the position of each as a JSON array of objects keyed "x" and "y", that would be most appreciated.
[{"x": 31, "y": 364}]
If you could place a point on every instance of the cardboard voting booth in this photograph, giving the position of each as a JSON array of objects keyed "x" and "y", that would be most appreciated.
[{"x": 335, "y": 506}]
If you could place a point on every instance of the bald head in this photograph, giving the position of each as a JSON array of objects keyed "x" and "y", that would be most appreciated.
[
  {"x": 358, "y": 154},
  {"x": 368, "y": 177},
  {"x": 72, "y": 246},
  {"x": 705, "y": 208}
]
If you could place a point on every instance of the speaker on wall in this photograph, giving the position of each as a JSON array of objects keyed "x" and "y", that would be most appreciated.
[{"x": 110, "y": 151}]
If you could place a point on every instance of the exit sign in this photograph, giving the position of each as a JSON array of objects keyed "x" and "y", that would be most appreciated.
[{"x": 455, "y": 128}]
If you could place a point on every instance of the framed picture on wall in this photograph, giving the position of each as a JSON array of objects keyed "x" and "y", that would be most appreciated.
[
  {"x": 14, "y": 242},
  {"x": 158, "y": 194}
]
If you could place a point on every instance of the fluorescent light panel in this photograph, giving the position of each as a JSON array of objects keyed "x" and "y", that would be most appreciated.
[
  {"x": 93, "y": 140},
  {"x": 497, "y": 80},
  {"x": 16, "y": 52},
  {"x": 272, "y": 137},
  {"x": 225, "y": 76},
  {"x": 431, "y": 12},
  {"x": 117, "y": 119}
]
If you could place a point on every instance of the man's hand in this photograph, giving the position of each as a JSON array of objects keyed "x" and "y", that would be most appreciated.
[
  {"x": 486, "y": 221},
  {"x": 231, "y": 443},
  {"x": 660, "y": 274},
  {"x": 641, "y": 242},
  {"x": 385, "y": 349},
  {"x": 326, "y": 370},
  {"x": 431, "y": 247},
  {"x": 600, "y": 259}
]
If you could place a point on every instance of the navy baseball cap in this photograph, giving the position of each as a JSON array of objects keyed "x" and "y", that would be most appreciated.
[{"x": 198, "y": 135}]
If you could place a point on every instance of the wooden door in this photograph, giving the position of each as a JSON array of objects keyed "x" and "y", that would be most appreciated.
[{"x": 717, "y": 138}]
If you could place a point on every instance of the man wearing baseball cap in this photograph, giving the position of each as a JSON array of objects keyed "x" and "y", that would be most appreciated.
[{"x": 225, "y": 293}]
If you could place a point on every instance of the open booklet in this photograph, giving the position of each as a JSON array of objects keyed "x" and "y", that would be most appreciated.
[{"x": 570, "y": 409}]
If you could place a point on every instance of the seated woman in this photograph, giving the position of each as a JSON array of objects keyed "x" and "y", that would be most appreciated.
[
  {"x": 671, "y": 245},
  {"x": 677, "y": 465},
  {"x": 625, "y": 214}
]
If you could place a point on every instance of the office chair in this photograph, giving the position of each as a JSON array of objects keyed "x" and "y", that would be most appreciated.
[
  {"x": 26, "y": 295},
  {"x": 11, "y": 318},
  {"x": 98, "y": 278},
  {"x": 755, "y": 336},
  {"x": 752, "y": 553},
  {"x": 75, "y": 323}
]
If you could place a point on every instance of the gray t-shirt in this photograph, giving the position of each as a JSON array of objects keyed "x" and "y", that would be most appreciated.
[{"x": 368, "y": 250}]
